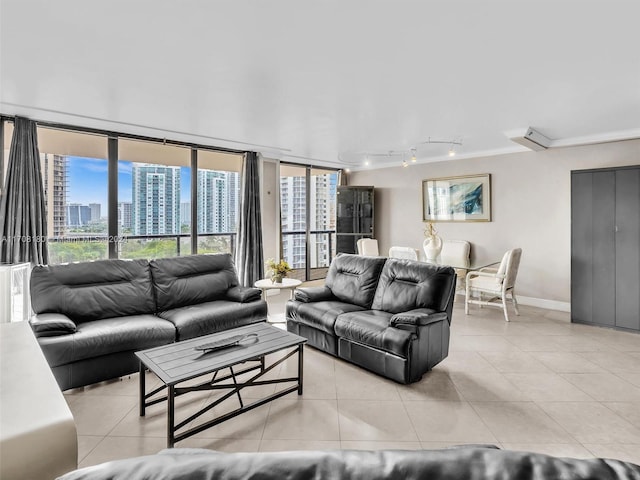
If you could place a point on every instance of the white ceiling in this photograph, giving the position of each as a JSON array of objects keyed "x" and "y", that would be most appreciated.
[{"x": 325, "y": 82}]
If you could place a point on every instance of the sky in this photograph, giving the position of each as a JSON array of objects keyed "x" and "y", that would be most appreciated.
[{"x": 88, "y": 181}]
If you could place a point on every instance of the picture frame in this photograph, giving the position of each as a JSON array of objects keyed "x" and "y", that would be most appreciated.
[{"x": 457, "y": 199}]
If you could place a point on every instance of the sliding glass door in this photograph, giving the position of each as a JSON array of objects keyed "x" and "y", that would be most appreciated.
[{"x": 307, "y": 219}]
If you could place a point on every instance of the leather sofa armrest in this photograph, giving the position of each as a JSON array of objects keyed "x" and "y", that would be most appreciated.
[
  {"x": 418, "y": 317},
  {"x": 313, "y": 294},
  {"x": 243, "y": 294},
  {"x": 52, "y": 325}
]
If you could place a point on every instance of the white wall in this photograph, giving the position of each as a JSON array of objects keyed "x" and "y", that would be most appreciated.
[{"x": 531, "y": 209}]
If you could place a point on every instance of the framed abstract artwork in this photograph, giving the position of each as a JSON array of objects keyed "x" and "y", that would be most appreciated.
[{"x": 457, "y": 199}]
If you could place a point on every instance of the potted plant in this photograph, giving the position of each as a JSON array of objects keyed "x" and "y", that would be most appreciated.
[{"x": 278, "y": 270}]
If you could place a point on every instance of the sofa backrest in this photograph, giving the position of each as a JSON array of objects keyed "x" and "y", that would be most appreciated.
[
  {"x": 93, "y": 290},
  {"x": 192, "y": 279},
  {"x": 354, "y": 278},
  {"x": 406, "y": 285}
]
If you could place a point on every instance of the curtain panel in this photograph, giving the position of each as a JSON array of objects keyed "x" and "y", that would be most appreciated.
[
  {"x": 23, "y": 217},
  {"x": 249, "y": 256}
]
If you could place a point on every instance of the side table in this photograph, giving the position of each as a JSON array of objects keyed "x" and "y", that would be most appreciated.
[{"x": 287, "y": 284}]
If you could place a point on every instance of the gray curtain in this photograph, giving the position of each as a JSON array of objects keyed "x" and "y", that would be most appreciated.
[
  {"x": 23, "y": 218},
  {"x": 249, "y": 257}
]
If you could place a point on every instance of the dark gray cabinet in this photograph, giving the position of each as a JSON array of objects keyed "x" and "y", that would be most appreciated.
[
  {"x": 605, "y": 247},
  {"x": 354, "y": 217}
]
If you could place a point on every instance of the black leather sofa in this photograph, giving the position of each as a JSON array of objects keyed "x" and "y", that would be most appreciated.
[
  {"x": 91, "y": 317},
  {"x": 390, "y": 316},
  {"x": 457, "y": 463}
]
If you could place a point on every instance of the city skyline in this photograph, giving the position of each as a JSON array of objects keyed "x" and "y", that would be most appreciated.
[{"x": 88, "y": 181}]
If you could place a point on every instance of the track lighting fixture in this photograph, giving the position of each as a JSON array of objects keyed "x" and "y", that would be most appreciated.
[{"x": 406, "y": 156}]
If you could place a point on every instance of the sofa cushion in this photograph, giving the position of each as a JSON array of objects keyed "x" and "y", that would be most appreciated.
[
  {"x": 192, "y": 279},
  {"x": 354, "y": 278},
  {"x": 106, "y": 336},
  {"x": 93, "y": 290},
  {"x": 372, "y": 328},
  {"x": 210, "y": 317},
  {"x": 407, "y": 285},
  {"x": 319, "y": 315}
]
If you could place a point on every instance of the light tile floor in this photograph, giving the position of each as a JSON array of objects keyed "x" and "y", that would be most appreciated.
[{"x": 538, "y": 383}]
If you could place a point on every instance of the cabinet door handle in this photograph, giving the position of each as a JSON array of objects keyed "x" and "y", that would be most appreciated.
[{"x": 616, "y": 230}]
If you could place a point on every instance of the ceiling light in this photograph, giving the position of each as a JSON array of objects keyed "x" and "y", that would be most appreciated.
[
  {"x": 452, "y": 152},
  {"x": 413, "y": 155},
  {"x": 366, "y": 162},
  {"x": 404, "y": 163},
  {"x": 347, "y": 170}
]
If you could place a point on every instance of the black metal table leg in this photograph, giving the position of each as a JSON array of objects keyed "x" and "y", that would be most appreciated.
[
  {"x": 143, "y": 403},
  {"x": 300, "y": 367},
  {"x": 171, "y": 397}
]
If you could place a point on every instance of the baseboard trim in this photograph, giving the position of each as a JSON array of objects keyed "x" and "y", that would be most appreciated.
[
  {"x": 539, "y": 302},
  {"x": 544, "y": 303}
]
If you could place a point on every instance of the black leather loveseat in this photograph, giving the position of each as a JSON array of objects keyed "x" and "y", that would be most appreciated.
[
  {"x": 91, "y": 317},
  {"x": 391, "y": 316},
  {"x": 457, "y": 463}
]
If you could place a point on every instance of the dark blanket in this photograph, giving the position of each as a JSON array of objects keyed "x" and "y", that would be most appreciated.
[{"x": 471, "y": 462}]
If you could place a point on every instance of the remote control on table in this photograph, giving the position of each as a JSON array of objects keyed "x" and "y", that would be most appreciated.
[{"x": 227, "y": 342}]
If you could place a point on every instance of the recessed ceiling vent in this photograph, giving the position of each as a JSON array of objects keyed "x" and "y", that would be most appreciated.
[{"x": 530, "y": 138}]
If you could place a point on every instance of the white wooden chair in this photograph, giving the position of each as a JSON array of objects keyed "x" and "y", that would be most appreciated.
[
  {"x": 456, "y": 253},
  {"x": 368, "y": 247},
  {"x": 403, "y": 252},
  {"x": 496, "y": 283}
]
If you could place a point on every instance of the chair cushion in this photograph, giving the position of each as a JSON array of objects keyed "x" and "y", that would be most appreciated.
[
  {"x": 210, "y": 317},
  {"x": 109, "y": 335},
  {"x": 319, "y": 315},
  {"x": 93, "y": 290},
  {"x": 192, "y": 279},
  {"x": 486, "y": 284},
  {"x": 354, "y": 278},
  {"x": 372, "y": 328},
  {"x": 407, "y": 285}
]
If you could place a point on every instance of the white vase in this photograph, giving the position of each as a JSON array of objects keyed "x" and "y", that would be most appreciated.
[{"x": 432, "y": 247}]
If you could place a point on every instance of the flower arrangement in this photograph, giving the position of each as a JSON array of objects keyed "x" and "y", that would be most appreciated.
[{"x": 278, "y": 269}]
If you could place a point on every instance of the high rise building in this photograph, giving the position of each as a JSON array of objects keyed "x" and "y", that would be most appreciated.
[
  {"x": 78, "y": 215},
  {"x": 293, "y": 218},
  {"x": 124, "y": 216},
  {"x": 185, "y": 213},
  {"x": 217, "y": 201},
  {"x": 95, "y": 211},
  {"x": 54, "y": 175},
  {"x": 156, "y": 199},
  {"x": 322, "y": 196}
]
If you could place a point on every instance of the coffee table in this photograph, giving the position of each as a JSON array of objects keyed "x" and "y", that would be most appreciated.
[{"x": 178, "y": 362}]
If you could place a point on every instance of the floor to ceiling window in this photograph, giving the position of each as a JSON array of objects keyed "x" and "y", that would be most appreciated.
[
  {"x": 160, "y": 208},
  {"x": 154, "y": 180},
  {"x": 218, "y": 200},
  {"x": 74, "y": 176},
  {"x": 307, "y": 219}
]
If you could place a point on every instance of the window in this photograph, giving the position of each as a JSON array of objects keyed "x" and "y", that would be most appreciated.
[
  {"x": 218, "y": 203},
  {"x": 309, "y": 260},
  {"x": 74, "y": 175},
  {"x": 153, "y": 182}
]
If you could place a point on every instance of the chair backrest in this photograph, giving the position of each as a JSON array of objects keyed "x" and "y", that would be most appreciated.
[
  {"x": 403, "y": 252},
  {"x": 455, "y": 252},
  {"x": 368, "y": 247},
  {"x": 509, "y": 267}
]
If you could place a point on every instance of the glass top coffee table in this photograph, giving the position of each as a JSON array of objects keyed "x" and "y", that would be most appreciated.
[{"x": 178, "y": 362}]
